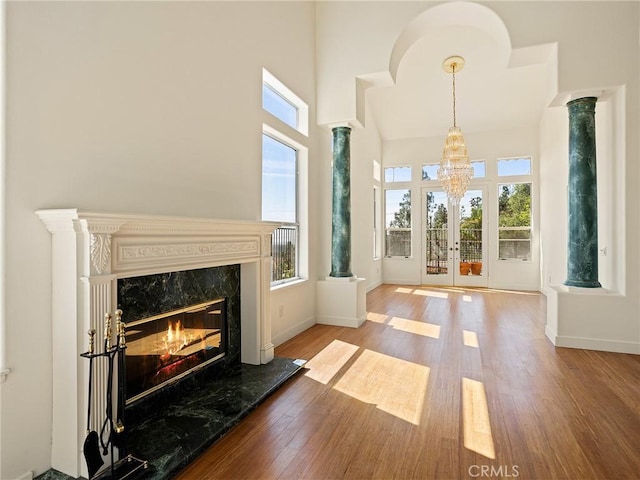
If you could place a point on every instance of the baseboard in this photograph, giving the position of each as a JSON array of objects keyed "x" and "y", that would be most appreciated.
[
  {"x": 517, "y": 287},
  {"x": 350, "y": 322},
  {"x": 551, "y": 334},
  {"x": 375, "y": 285},
  {"x": 291, "y": 332},
  {"x": 25, "y": 476},
  {"x": 615, "y": 346}
]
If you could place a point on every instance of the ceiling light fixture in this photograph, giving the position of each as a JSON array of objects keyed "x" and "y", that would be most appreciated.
[{"x": 455, "y": 169}]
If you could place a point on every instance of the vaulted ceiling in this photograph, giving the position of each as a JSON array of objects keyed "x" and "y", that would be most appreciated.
[{"x": 498, "y": 88}]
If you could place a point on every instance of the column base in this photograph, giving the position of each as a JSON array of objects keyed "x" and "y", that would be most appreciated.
[
  {"x": 582, "y": 318},
  {"x": 267, "y": 353},
  {"x": 342, "y": 301},
  {"x": 581, "y": 284}
]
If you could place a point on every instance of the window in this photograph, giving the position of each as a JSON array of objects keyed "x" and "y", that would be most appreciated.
[
  {"x": 376, "y": 248},
  {"x": 514, "y": 166},
  {"x": 278, "y": 106},
  {"x": 430, "y": 171},
  {"x": 283, "y": 104},
  {"x": 279, "y": 166},
  {"x": 397, "y": 174},
  {"x": 284, "y": 179},
  {"x": 398, "y": 223},
  {"x": 479, "y": 170},
  {"x": 514, "y": 221},
  {"x": 280, "y": 204}
]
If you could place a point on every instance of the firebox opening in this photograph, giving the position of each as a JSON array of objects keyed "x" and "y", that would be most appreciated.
[{"x": 164, "y": 348}]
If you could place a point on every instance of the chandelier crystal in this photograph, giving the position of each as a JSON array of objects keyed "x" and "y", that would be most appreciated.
[{"x": 455, "y": 170}]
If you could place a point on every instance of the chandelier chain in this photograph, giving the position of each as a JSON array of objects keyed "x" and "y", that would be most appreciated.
[{"x": 453, "y": 67}]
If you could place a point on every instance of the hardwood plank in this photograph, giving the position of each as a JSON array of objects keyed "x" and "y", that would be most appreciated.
[{"x": 553, "y": 413}]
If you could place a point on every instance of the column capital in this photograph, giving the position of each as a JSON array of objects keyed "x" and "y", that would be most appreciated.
[
  {"x": 594, "y": 93},
  {"x": 586, "y": 103},
  {"x": 334, "y": 126}
]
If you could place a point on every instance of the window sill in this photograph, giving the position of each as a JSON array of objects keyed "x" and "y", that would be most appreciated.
[{"x": 291, "y": 283}]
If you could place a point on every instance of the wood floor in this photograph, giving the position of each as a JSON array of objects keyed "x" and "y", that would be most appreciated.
[{"x": 440, "y": 384}]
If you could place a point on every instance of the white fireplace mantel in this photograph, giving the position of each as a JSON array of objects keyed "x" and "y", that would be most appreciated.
[{"x": 92, "y": 250}]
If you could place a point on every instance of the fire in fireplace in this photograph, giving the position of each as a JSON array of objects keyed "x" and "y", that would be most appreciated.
[
  {"x": 164, "y": 348},
  {"x": 177, "y": 323}
]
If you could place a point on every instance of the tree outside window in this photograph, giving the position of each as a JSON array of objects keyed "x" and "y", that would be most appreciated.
[
  {"x": 398, "y": 230},
  {"x": 514, "y": 221}
]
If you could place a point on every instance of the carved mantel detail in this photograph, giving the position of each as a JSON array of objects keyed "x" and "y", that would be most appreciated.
[
  {"x": 101, "y": 252},
  {"x": 189, "y": 249}
]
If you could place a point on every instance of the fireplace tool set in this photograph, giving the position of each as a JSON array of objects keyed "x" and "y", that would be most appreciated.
[{"x": 112, "y": 432}]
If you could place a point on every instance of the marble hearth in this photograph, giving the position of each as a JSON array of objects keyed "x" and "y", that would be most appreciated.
[{"x": 92, "y": 250}]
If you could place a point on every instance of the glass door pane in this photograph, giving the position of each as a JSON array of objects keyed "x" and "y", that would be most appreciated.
[
  {"x": 436, "y": 238},
  {"x": 471, "y": 240}
]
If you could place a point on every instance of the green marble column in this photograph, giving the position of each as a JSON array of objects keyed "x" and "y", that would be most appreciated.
[
  {"x": 582, "y": 249},
  {"x": 341, "y": 210}
]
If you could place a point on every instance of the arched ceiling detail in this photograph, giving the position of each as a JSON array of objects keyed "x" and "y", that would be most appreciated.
[
  {"x": 499, "y": 87},
  {"x": 450, "y": 15}
]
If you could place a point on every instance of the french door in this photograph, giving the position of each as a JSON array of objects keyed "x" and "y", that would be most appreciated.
[{"x": 454, "y": 245}]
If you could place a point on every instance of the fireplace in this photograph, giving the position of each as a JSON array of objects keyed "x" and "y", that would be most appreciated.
[
  {"x": 98, "y": 260},
  {"x": 167, "y": 347},
  {"x": 178, "y": 323}
]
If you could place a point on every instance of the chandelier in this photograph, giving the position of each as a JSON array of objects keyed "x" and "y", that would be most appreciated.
[{"x": 455, "y": 170}]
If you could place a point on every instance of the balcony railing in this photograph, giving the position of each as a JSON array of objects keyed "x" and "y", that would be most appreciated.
[
  {"x": 284, "y": 242},
  {"x": 437, "y": 250},
  {"x": 437, "y": 246},
  {"x": 514, "y": 243},
  {"x": 470, "y": 244},
  {"x": 398, "y": 242}
]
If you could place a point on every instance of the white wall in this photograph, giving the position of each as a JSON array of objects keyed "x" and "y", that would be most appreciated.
[
  {"x": 554, "y": 170},
  {"x": 149, "y": 107},
  {"x": 487, "y": 146},
  {"x": 366, "y": 147}
]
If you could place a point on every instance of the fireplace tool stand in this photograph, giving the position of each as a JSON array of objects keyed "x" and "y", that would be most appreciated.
[{"x": 112, "y": 432}]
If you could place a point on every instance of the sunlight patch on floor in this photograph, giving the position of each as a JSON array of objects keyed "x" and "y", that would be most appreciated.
[
  {"x": 470, "y": 338},
  {"x": 475, "y": 415},
  {"x": 324, "y": 366},
  {"x": 431, "y": 293},
  {"x": 377, "y": 317},
  {"x": 403, "y": 290},
  {"x": 412, "y": 326},
  {"x": 395, "y": 386}
]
